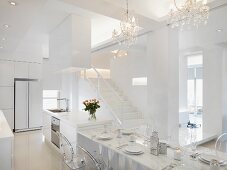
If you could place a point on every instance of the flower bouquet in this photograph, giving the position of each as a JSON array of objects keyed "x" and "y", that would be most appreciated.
[{"x": 91, "y": 106}]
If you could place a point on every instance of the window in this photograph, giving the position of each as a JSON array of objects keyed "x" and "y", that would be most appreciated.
[
  {"x": 140, "y": 81},
  {"x": 195, "y": 83},
  {"x": 50, "y": 99}
]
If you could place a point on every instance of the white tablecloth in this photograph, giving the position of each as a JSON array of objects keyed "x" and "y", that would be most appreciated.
[{"x": 122, "y": 161}]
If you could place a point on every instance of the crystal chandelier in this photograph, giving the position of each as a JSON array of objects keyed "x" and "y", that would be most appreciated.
[
  {"x": 128, "y": 29},
  {"x": 193, "y": 12}
]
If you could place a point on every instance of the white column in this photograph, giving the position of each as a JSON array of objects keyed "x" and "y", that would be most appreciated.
[
  {"x": 212, "y": 91},
  {"x": 163, "y": 80},
  {"x": 69, "y": 90},
  {"x": 224, "y": 87},
  {"x": 183, "y": 76}
]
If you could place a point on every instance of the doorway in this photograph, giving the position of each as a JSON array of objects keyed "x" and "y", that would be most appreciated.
[
  {"x": 195, "y": 88},
  {"x": 191, "y": 97}
]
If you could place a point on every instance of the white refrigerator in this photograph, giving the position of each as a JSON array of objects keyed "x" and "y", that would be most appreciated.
[{"x": 27, "y": 104}]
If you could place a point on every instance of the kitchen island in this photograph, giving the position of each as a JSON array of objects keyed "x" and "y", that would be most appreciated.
[
  {"x": 69, "y": 125},
  {"x": 6, "y": 144}
]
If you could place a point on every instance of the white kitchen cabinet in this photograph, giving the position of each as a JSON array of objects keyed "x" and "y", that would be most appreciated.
[
  {"x": 47, "y": 126},
  {"x": 6, "y": 73},
  {"x": 9, "y": 115},
  {"x": 21, "y": 70},
  {"x": 6, "y": 98},
  {"x": 35, "y": 71},
  {"x": 69, "y": 132},
  {"x": 28, "y": 70}
]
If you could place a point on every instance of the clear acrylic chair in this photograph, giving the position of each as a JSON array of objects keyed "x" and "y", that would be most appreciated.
[
  {"x": 221, "y": 146},
  {"x": 77, "y": 158}
]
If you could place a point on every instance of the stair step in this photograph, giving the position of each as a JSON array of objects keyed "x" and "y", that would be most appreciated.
[
  {"x": 113, "y": 97},
  {"x": 130, "y": 115},
  {"x": 119, "y": 109},
  {"x": 116, "y": 99}
]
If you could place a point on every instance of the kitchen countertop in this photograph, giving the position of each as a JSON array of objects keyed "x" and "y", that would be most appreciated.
[
  {"x": 5, "y": 130},
  {"x": 76, "y": 119}
]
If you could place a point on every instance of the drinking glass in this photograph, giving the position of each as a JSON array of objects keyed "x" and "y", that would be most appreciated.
[
  {"x": 100, "y": 149},
  {"x": 193, "y": 139},
  {"x": 214, "y": 164}
]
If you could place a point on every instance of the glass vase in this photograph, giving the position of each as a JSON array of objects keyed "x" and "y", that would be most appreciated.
[{"x": 92, "y": 115}]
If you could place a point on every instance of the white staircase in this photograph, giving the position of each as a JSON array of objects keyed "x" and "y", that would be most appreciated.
[{"x": 114, "y": 98}]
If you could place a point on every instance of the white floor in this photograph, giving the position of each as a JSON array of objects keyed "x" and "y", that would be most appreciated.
[{"x": 31, "y": 152}]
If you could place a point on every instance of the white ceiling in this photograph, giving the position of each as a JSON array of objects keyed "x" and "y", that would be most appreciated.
[
  {"x": 154, "y": 9},
  {"x": 31, "y": 20},
  {"x": 19, "y": 19},
  {"x": 102, "y": 28}
]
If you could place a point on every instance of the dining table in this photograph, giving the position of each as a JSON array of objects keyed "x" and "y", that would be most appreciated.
[{"x": 113, "y": 152}]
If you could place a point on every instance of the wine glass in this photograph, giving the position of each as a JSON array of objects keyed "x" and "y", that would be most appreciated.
[
  {"x": 193, "y": 139},
  {"x": 214, "y": 164}
]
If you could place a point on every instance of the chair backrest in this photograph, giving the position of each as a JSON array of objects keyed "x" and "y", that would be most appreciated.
[
  {"x": 221, "y": 146},
  {"x": 66, "y": 148},
  {"x": 77, "y": 158}
]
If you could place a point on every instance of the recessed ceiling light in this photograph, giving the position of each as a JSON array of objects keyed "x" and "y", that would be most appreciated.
[
  {"x": 6, "y": 26},
  {"x": 3, "y": 39},
  {"x": 12, "y": 3},
  {"x": 219, "y": 30}
]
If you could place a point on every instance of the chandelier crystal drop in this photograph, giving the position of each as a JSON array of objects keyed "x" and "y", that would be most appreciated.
[
  {"x": 128, "y": 29},
  {"x": 193, "y": 12}
]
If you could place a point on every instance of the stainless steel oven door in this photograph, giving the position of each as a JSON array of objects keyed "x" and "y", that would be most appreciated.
[
  {"x": 55, "y": 124},
  {"x": 55, "y": 138}
]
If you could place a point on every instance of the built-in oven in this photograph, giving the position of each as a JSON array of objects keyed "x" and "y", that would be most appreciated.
[{"x": 55, "y": 127}]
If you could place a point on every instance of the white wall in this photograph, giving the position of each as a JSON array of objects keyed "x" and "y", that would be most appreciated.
[
  {"x": 212, "y": 85},
  {"x": 122, "y": 71},
  {"x": 70, "y": 43}
]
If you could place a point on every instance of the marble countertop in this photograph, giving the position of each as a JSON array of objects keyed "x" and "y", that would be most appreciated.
[
  {"x": 5, "y": 130},
  {"x": 76, "y": 120},
  {"x": 147, "y": 160}
]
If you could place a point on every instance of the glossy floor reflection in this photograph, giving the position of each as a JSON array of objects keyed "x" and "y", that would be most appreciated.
[{"x": 31, "y": 152}]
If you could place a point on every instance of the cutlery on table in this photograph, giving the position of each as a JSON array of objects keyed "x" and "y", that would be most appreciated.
[
  {"x": 170, "y": 166},
  {"x": 194, "y": 155}
]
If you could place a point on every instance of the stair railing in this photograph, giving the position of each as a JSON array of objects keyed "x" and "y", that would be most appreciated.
[{"x": 99, "y": 94}]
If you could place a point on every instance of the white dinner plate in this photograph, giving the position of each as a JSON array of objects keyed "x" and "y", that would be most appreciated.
[
  {"x": 105, "y": 136},
  {"x": 133, "y": 149},
  {"x": 134, "y": 153},
  {"x": 127, "y": 132},
  {"x": 206, "y": 158}
]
